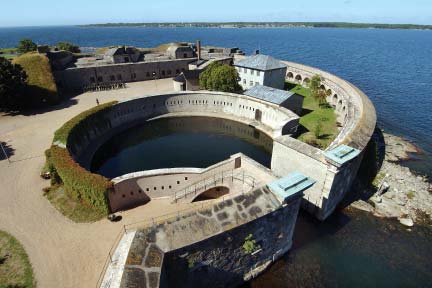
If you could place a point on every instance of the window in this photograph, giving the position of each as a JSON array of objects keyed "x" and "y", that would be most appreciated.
[
  {"x": 119, "y": 77},
  {"x": 258, "y": 73},
  {"x": 178, "y": 182},
  {"x": 123, "y": 195},
  {"x": 245, "y": 70},
  {"x": 148, "y": 74},
  {"x": 133, "y": 75},
  {"x": 100, "y": 79},
  {"x": 112, "y": 78},
  {"x": 163, "y": 72},
  {"x": 177, "y": 71},
  {"x": 256, "y": 83},
  {"x": 252, "y": 72},
  {"x": 169, "y": 72},
  {"x": 186, "y": 178},
  {"x": 92, "y": 79},
  {"x": 244, "y": 81},
  {"x": 251, "y": 83}
]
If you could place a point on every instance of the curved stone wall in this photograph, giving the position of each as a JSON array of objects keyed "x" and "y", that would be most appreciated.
[
  {"x": 357, "y": 115},
  {"x": 275, "y": 120},
  {"x": 355, "y": 111}
]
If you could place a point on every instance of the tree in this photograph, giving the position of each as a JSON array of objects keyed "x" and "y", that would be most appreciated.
[
  {"x": 26, "y": 45},
  {"x": 12, "y": 82},
  {"x": 316, "y": 90},
  {"x": 220, "y": 77},
  {"x": 66, "y": 46}
]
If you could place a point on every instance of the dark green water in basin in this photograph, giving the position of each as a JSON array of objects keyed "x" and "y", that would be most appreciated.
[{"x": 179, "y": 142}]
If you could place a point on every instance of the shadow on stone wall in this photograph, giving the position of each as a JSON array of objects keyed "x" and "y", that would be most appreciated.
[{"x": 362, "y": 187}]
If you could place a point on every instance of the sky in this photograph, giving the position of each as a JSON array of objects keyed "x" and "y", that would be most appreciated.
[{"x": 57, "y": 12}]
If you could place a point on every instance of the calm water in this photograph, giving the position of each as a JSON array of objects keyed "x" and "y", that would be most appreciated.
[
  {"x": 353, "y": 249},
  {"x": 393, "y": 67},
  {"x": 179, "y": 142}
]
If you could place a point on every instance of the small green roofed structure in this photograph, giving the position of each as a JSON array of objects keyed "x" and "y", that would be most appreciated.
[
  {"x": 290, "y": 186},
  {"x": 341, "y": 155}
]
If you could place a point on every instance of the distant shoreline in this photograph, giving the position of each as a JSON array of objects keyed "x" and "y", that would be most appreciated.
[{"x": 264, "y": 25}]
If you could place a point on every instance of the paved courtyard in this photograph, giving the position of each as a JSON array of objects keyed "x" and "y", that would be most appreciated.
[{"x": 63, "y": 253}]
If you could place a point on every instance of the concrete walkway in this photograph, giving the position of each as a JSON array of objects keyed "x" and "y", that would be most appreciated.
[{"x": 63, "y": 253}]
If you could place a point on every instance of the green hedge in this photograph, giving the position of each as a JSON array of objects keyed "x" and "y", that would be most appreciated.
[
  {"x": 79, "y": 183},
  {"x": 62, "y": 134}
]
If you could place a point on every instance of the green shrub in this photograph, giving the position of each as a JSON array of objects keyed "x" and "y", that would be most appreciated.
[
  {"x": 250, "y": 246},
  {"x": 79, "y": 183},
  {"x": 77, "y": 122}
]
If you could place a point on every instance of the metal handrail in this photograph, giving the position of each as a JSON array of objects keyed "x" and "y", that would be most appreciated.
[{"x": 212, "y": 181}]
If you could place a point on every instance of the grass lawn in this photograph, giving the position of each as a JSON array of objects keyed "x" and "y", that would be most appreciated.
[
  {"x": 315, "y": 113},
  {"x": 15, "y": 267},
  {"x": 8, "y": 53},
  {"x": 70, "y": 208}
]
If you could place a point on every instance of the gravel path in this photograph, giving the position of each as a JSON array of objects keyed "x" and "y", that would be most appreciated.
[{"x": 63, "y": 253}]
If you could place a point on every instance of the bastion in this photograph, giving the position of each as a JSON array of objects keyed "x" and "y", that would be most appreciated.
[{"x": 250, "y": 221}]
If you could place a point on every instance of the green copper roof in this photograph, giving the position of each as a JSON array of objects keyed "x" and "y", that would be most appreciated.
[
  {"x": 341, "y": 154},
  {"x": 290, "y": 186}
]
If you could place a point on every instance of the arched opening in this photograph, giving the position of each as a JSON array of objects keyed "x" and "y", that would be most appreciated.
[
  {"x": 329, "y": 92},
  {"x": 298, "y": 77},
  {"x": 306, "y": 80},
  {"x": 335, "y": 98},
  {"x": 290, "y": 75},
  {"x": 340, "y": 103},
  {"x": 212, "y": 193},
  {"x": 322, "y": 87}
]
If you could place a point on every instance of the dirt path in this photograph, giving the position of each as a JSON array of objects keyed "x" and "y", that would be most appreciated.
[{"x": 63, "y": 253}]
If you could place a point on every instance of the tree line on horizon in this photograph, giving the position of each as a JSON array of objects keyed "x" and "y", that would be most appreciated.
[{"x": 267, "y": 24}]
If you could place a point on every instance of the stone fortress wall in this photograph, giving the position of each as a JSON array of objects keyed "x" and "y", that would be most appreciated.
[
  {"x": 354, "y": 109},
  {"x": 78, "y": 77},
  {"x": 357, "y": 115},
  {"x": 186, "y": 259},
  {"x": 275, "y": 121}
]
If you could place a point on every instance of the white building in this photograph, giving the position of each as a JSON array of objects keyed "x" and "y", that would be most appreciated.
[{"x": 261, "y": 70}]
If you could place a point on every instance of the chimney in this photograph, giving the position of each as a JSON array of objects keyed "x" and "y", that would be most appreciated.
[
  {"x": 199, "y": 49},
  {"x": 257, "y": 52}
]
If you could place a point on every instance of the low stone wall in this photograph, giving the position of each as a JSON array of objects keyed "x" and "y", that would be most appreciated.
[
  {"x": 140, "y": 187},
  {"x": 275, "y": 120}
]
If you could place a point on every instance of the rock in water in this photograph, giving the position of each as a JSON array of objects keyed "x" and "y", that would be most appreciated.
[{"x": 406, "y": 221}]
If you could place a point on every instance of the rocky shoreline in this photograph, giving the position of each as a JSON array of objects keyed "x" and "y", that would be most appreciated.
[{"x": 398, "y": 192}]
